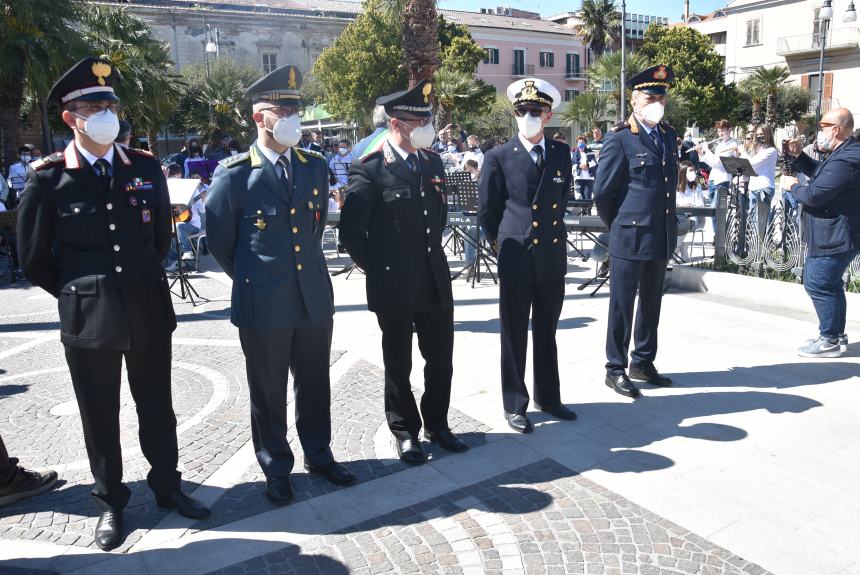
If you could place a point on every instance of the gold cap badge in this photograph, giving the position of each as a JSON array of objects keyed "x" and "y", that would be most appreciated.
[
  {"x": 428, "y": 87},
  {"x": 101, "y": 70}
]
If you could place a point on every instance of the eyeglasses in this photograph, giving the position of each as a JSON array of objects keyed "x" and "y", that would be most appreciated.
[
  {"x": 533, "y": 112},
  {"x": 97, "y": 107},
  {"x": 284, "y": 111},
  {"x": 420, "y": 121}
]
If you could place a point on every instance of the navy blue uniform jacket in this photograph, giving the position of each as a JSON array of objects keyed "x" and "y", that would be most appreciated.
[
  {"x": 831, "y": 201},
  {"x": 268, "y": 240},
  {"x": 516, "y": 204},
  {"x": 634, "y": 191}
]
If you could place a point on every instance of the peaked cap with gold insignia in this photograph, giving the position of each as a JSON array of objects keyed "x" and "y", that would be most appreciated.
[
  {"x": 281, "y": 87},
  {"x": 534, "y": 91},
  {"x": 417, "y": 101},
  {"x": 656, "y": 80},
  {"x": 89, "y": 79}
]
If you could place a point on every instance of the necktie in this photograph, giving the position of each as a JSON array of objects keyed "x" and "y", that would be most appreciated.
[
  {"x": 284, "y": 163},
  {"x": 102, "y": 167},
  {"x": 539, "y": 161},
  {"x": 412, "y": 160},
  {"x": 655, "y": 137}
]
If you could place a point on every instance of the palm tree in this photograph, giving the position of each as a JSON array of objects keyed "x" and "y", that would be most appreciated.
[
  {"x": 450, "y": 88},
  {"x": 37, "y": 42},
  {"x": 605, "y": 71},
  {"x": 587, "y": 109},
  {"x": 767, "y": 81},
  {"x": 150, "y": 90},
  {"x": 599, "y": 24},
  {"x": 419, "y": 28}
]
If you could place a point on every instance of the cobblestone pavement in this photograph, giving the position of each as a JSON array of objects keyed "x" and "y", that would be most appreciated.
[{"x": 539, "y": 519}]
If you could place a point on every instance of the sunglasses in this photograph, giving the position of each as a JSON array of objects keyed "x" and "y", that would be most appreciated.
[
  {"x": 825, "y": 125},
  {"x": 533, "y": 112}
]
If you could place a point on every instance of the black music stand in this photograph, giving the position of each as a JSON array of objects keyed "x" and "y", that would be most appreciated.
[
  {"x": 467, "y": 196},
  {"x": 182, "y": 193},
  {"x": 601, "y": 276},
  {"x": 739, "y": 168}
]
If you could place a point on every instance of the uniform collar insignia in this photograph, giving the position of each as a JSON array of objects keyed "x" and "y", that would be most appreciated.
[
  {"x": 388, "y": 154},
  {"x": 122, "y": 155},
  {"x": 256, "y": 157}
]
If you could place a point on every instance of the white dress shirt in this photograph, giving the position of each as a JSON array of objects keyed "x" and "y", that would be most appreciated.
[
  {"x": 718, "y": 173},
  {"x": 530, "y": 147},
  {"x": 108, "y": 157}
]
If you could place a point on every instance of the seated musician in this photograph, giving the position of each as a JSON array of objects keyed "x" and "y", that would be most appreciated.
[
  {"x": 189, "y": 221},
  {"x": 9, "y": 238}
]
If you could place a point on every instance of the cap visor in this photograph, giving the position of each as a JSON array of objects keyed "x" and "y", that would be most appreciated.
[{"x": 97, "y": 96}]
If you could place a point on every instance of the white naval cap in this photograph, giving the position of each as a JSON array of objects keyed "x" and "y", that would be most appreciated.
[{"x": 534, "y": 90}]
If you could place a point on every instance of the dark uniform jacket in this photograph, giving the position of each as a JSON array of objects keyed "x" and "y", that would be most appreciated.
[
  {"x": 517, "y": 205},
  {"x": 269, "y": 240},
  {"x": 588, "y": 155},
  {"x": 391, "y": 225},
  {"x": 831, "y": 201},
  {"x": 99, "y": 251},
  {"x": 634, "y": 191}
]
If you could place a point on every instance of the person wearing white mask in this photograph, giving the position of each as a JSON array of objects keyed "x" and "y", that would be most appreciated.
[
  {"x": 340, "y": 163},
  {"x": 391, "y": 224},
  {"x": 522, "y": 196},
  {"x": 265, "y": 216},
  {"x": 93, "y": 226},
  {"x": 18, "y": 177},
  {"x": 634, "y": 192}
]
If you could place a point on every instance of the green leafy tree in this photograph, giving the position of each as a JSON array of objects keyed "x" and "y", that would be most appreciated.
[
  {"x": 495, "y": 121},
  {"x": 365, "y": 62},
  {"x": 605, "y": 71},
  {"x": 38, "y": 41},
  {"x": 792, "y": 103},
  {"x": 150, "y": 89},
  {"x": 214, "y": 105},
  {"x": 698, "y": 70},
  {"x": 767, "y": 81},
  {"x": 599, "y": 25},
  {"x": 677, "y": 112},
  {"x": 451, "y": 89},
  {"x": 587, "y": 109}
]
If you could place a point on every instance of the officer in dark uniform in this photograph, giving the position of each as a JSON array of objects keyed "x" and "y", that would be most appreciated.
[
  {"x": 634, "y": 192},
  {"x": 522, "y": 193},
  {"x": 265, "y": 216},
  {"x": 93, "y": 228},
  {"x": 391, "y": 224}
]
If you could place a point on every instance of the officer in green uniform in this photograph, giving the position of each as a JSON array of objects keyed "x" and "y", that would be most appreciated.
[{"x": 265, "y": 216}]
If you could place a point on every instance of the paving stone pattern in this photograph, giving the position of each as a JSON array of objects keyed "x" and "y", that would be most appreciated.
[{"x": 539, "y": 519}]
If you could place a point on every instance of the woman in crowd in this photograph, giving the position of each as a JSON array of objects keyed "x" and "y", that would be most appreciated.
[
  {"x": 584, "y": 166},
  {"x": 689, "y": 195},
  {"x": 763, "y": 156},
  {"x": 719, "y": 178}
]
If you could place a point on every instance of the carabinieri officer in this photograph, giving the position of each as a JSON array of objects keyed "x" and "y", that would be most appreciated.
[
  {"x": 93, "y": 227},
  {"x": 634, "y": 192},
  {"x": 391, "y": 225},
  {"x": 265, "y": 216},
  {"x": 523, "y": 193}
]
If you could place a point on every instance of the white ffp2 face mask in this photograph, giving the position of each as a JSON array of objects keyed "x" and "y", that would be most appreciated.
[
  {"x": 102, "y": 128},
  {"x": 653, "y": 112},
  {"x": 287, "y": 131},
  {"x": 422, "y": 136},
  {"x": 529, "y": 126},
  {"x": 691, "y": 176},
  {"x": 821, "y": 142}
]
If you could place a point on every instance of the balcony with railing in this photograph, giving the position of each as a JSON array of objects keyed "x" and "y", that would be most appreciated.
[
  {"x": 522, "y": 70},
  {"x": 806, "y": 45},
  {"x": 576, "y": 74}
]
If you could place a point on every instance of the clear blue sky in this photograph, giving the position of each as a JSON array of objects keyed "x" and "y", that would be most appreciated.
[{"x": 672, "y": 9}]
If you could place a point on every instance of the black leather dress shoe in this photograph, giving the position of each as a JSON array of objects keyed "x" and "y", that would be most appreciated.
[
  {"x": 649, "y": 374},
  {"x": 621, "y": 384},
  {"x": 519, "y": 422},
  {"x": 334, "y": 472},
  {"x": 559, "y": 411},
  {"x": 446, "y": 440},
  {"x": 109, "y": 530},
  {"x": 183, "y": 504},
  {"x": 409, "y": 451},
  {"x": 279, "y": 490}
]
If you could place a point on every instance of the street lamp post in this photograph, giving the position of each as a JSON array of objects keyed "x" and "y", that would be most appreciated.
[
  {"x": 211, "y": 46},
  {"x": 824, "y": 16},
  {"x": 623, "y": 106}
]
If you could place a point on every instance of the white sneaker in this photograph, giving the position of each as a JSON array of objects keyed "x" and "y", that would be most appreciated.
[
  {"x": 187, "y": 256},
  {"x": 821, "y": 347},
  {"x": 843, "y": 342}
]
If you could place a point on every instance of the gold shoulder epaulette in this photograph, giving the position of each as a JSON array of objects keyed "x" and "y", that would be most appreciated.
[
  {"x": 620, "y": 126},
  {"x": 233, "y": 161}
]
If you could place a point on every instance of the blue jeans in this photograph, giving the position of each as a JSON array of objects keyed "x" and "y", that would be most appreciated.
[
  {"x": 822, "y": 278},
  {"x": 760, "y": 197},
  {"x": 471, "y": 252},
  {"x": 711, "y": 197},
  {"x": 183, "y": 230}
]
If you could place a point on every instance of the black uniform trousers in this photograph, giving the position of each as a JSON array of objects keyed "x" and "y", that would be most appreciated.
[
  {"x": 627, "y": 277},
  {"x": 520, "y": 295},
  {"x": 96, "y": 377},
  {"x": 8, "y": 466},
  {"x": 270, "y": 357},
  {"x": 435, "y": 329}
]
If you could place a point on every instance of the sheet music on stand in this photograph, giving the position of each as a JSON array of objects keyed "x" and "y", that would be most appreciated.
[
  {"x": 737, "y": 166},
  {"x": 465, "y": 189},
  {"x": 182, "y": 191}
]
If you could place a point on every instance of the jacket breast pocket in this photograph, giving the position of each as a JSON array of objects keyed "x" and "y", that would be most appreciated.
[
  {"x": 395, "y": 194},
  {"x": 74, "y": 222},
  {"x": 644, "y": 168},
  {"x": 396, "y": 202},
  {"x": 632, "y": 229},
  {"x": 79, "y": 309},
  {"x": 260, "y": 221}
]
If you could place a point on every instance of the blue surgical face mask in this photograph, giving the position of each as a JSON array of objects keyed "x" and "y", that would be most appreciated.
[{"x": 581, "y": 145}]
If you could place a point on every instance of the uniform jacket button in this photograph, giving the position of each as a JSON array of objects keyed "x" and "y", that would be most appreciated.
[
  {"x": 299, "y": 267},
  {"x": 74, "y": 288},
  {"x": 295, "y": 230},
  {"x": 109, "y": 206},
  {"x": 118, "y": 269},
  {"x": 554, "y": 206},
  {"x": 387, "y": 268},
  {"x": 116, "y": 247},
  {"x": 428, "y": 230},
  {"x": 534, "y": 206},
  {"x": 535, "y": 241},
  {"x": 534, "y": 224},
  {"x": 555, "y": 222},
  {"x": 293, "y": 211},
  {"x": 112, "y": 227},
  {"x": 298, "y": 248},
  {"x": 247, "y": 280},
  {"x": 428, "y": 248},
  {"x": 77, "y": 210},
  {"x": 555, "y": 240}
]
